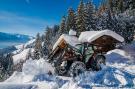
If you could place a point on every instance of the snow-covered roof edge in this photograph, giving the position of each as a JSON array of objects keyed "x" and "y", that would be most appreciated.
[
  {"x": 72, "y": 40},
  {"x": 89, "y": 36}
]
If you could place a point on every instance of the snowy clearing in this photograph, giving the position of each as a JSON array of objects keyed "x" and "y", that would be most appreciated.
[
  {"x": 35, "y": 76},
  {"x": 117, "y": 73}
]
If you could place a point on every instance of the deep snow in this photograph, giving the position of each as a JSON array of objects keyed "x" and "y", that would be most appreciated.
[{"x": 119, "y": 72}]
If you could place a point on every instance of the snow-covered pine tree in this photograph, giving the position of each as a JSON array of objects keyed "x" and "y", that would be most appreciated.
[
  {"x": 71, "y": 20},
  {"x": 132, "y": 4},
  {"x": 6, "y": 63},
  {"x": 81, "y": 17},
  {"x": 9, "y": 60},
  {"x": 45, "y": 50},
  {"x": 129, "y": 32},
  {"x": 110, "y": 5},
  {"x": 50, "y": 37},
  {"x": 63, "y": 26},
  {"x": 120, "y": 6},
  {"x": 28, "y": 56},
  {"x": 38, "y": 47},
  {"x": 105, "y": 21},
  {"x": 90, "y": 20}
]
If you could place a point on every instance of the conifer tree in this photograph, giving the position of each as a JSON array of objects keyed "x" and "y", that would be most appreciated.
[
  {"x": 71, "y": 20},
  {"x": 111, "y": 6},
  {"x": 90, "y": 21},
  {"x": 81, "y": 17},
  {"x": 28, "y": 56},
  {"x": 120, "y": 6},
  {"x": 63, "y": 26},
  {"x": 132, "y": 4},
  {"x": 38, "y": 47}
]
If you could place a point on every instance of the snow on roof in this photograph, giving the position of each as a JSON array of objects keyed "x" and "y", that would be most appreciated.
[
  {"x": 89, "y": 36},
  {"x": 72, "y": 32},
  {"x": 72, "y": 40}
]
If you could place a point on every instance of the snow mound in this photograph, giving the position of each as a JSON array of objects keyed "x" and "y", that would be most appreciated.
[
  {"x": 33, "y": 70},
  {"x": 20, "y": 56},
  {"x": 89, "y": 36},
  {"x": 118, "y": 55},
  {"x": 34, "y": 75},
  {"x": 71, "y": 85},
  {"x": 108, "y": 76},
  {"x": 34, "y": 67}
]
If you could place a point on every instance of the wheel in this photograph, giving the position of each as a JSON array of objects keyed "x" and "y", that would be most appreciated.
[
  {"x": 100, "y": 59},
  {"x": 77, "y": 68},
  {"x": 60, "y": 70}
]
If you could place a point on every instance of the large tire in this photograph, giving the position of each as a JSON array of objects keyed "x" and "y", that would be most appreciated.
[
  {"x": 60, "y": 70},
  {"x": 100, "y": 59},
  {"x": 77, "y": 68}
]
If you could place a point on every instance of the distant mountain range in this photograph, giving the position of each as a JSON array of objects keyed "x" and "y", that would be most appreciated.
[
  {"x": 8, "y": 41},
  {"x": 4, "y": 37}
]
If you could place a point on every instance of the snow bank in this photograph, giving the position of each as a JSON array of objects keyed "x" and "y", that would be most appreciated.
[
  {"x": 34, "y": 75},
  {"x": 89, "y": 36},
  {"x": 108, "y": 76},
  {"x": 71, "y": 85},
  {"x": 72, "y": 40},
  {"x": 32, "y": 70},
  {"x": 21, "y": 56},
  {"x": 34, "y": 67},
  {"x": 117, "y": 56}
]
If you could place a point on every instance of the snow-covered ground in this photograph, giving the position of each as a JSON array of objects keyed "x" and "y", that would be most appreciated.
[
  {"x": 119, "y": 72},
  {"x": 35, "y": 76}
]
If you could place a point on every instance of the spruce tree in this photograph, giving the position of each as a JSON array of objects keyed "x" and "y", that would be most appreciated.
[
  {"x": 81, "y": 17},
  {"x": 132, "y": 4},
  {"x": 90, "y": 21},
  {"x": 28, "y": 56},
  {"x": 38, "y": 47},
  {"x": 120, "y": 6},
  {"x": 50, "y": 37},
  {"x": 111, "y": 5},
  {"x": 63, "y": 26},
  {"x": 71, "y": 20}
]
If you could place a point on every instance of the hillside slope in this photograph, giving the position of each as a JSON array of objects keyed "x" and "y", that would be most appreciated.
[{"x": 117, "y": 73}]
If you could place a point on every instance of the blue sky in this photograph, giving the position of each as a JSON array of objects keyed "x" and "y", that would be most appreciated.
[{"x": 32, "y": 16}]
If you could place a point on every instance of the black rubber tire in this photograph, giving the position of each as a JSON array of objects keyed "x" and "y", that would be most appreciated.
[
  {"x": 77, "y": 68},
  {"x": 60, "y": 71},
  {"x": 100, "y": 59}
]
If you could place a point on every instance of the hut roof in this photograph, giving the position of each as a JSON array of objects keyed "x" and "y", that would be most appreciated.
[
  {"x": 90, "y": 36},
  {"x": 72, "y": 40}
]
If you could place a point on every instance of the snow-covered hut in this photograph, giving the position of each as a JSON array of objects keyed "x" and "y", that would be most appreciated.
[
  {"x": 105, "y": 39},
  {"x": 64, "y": 39},
  {"x": 62, "y": 42},
  {"x": 67, "y": 39}
]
